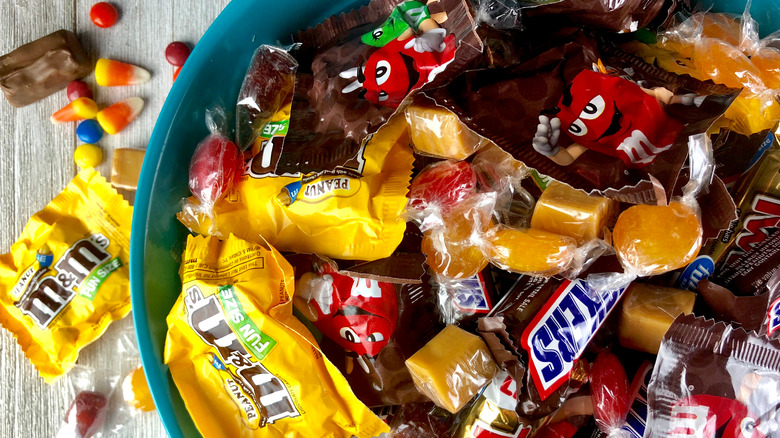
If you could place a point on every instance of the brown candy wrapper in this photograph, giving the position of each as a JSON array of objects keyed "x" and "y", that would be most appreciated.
[
  {"x": 372, "y": 320},
  {"x": 627, "y": 16},
  {"x": 716, "y": 380},
  {"x": 746, "y": 311},
  {"x": 42, "y": 67},
  {"x": 758, "y": 201},
  {"x": 627, "y": 127},
  {"x": 358, "y": 68},
  {"x": 736, "y": 154}
]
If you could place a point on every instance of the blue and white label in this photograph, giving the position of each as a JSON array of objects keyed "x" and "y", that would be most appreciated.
[
  {"x": 636, "y": 420},
  {"x": 559, "y": 333},
  {"x": 471, "y": 295},
  {"x": 773, "y": 317},
  {"x": 699, "y": 269}
]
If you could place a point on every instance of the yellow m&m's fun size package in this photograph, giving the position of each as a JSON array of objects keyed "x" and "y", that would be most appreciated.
[
  {"x": 66, "y": 277},
  {"x": 244, "y": 365}
]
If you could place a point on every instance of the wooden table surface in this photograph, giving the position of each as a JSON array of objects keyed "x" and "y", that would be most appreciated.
[{"x": 36, "y": 163}]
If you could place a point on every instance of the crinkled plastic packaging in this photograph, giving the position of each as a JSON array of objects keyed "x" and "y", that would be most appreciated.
[
  {"x": 654, "y": 239},
  {"x": 609, "y": 393},
  {"x": 349, "y": 214},
  {"x": 66, "y": 277},
  {"x": 715, "y": 379},
  {"x": 91, "y": 390},
  {"x": 267, "y": 88},
  {"x": 452, "y": 367},
  {"x": 648, "y": 311},
  {"x": 626, "y": 16},
  {"x": 358, "y": 69},
  {"x": 371, "y": 319},
  {"x": 244, "y": 365},
  {"x": 726, "y": 49},
  {"x": 569, "y": 129}
]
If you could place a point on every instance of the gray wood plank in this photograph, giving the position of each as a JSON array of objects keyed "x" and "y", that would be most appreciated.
[{"x": 36, "y": 162}]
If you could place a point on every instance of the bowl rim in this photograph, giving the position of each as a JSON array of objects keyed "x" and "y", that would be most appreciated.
[{"x": 156, "y": 372}]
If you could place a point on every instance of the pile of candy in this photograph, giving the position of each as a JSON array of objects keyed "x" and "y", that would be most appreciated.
[
  {"x": 65, "y": 279},
  {"x": 400, "y": 179}
]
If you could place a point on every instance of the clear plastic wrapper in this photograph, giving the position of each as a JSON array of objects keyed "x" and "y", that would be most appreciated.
[
  {"x": 267, "y": 88},
  {"x": 609, "y": 393},
  {"x": 438, "y": 132},
  {"x": 626, "y": 16},
  {"x": 564, "y": 210},
  {"x": 452, "y": 368},
  {"x": 654, "y": 239},
  {"x": 91, "y": 390},
  {"x": 530, "y": 251},
  {"x": 715, "y": 380},
  {"x": 372, "y": 317},
  {"x": 648, "y": 311},
  {"x": 442, "y": 186},
  {"x": 463, "y": 301},
  {"x": 726, "y": 49},
  {"x": 215, "y": 162},
  {"x": 452, "y": 242}
]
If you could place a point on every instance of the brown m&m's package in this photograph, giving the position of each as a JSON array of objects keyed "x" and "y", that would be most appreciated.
[
  {"x": 589, "y": 115},
  {"x": 66, "y": 277},
  {"x": 711, "y": 379},
  {"x": 245, "y": 366},
  {"x": 357, "y": 69}
]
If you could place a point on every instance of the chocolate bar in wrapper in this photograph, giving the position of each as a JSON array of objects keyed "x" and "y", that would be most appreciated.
[
  {"x": 714, "y": 380},
  {"x": 758, "y": 201},
  {"x": 529, "y": 329},
  {"x": 42, "y": 67}
]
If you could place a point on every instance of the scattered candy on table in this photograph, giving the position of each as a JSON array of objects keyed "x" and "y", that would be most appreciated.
[
  {"x": 116, "y": 117},
  {"x": 43, "y": 67},
  {"x": 177, "y": 53},
  {"x": 89, "y": 131},
  {"x": 110, "y": 73},
  {"x": 135, "y": 391},
  {"x": 103, "y": 14},
  {"x": 126, "y": 168},
  {"x": 88, "y": 155},
  {"x": 80, "y": 109},
  {"x": 78, "y": 89}
]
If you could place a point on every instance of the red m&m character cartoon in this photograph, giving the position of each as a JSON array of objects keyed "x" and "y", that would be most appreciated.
[
  {"x": 359, "y": 314},
  {"x": 613, "y": 116}
]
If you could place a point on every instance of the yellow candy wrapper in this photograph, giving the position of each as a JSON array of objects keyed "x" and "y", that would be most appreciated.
[
  {"x": 66, "y": 277},
  {"x": 244, "y": 365},
  {"x": 350, "y": 213}
]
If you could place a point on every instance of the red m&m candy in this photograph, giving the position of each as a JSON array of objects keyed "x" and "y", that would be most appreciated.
[
  {"x": 176, "y": 53},
  {"x": 103, "y": 14}
]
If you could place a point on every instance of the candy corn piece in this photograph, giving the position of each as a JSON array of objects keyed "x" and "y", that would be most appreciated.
[
  {"x": 80, "y": 109},
  {"x": 109, "y": 73},
  {"x": 176, "y": 73},
  {"x": 116, "y": 117}
]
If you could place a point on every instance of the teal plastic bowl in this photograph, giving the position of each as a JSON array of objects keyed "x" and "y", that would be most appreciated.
[{"x": 212, "y": 75}]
